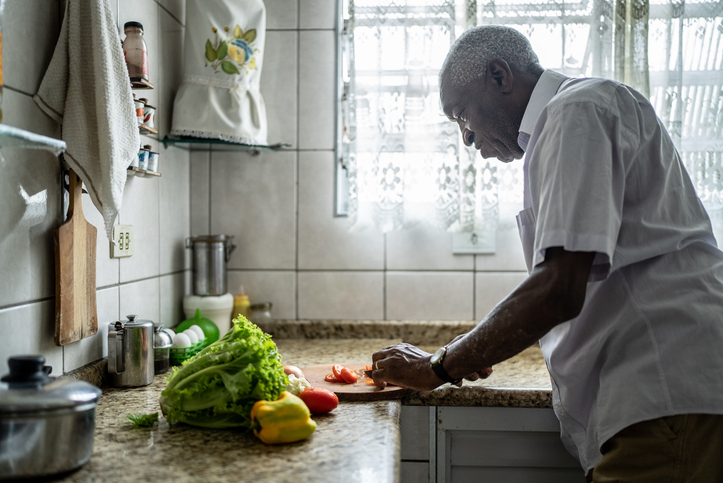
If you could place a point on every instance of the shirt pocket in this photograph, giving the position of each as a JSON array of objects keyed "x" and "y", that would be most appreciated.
[{"x": 526, "y": 228}]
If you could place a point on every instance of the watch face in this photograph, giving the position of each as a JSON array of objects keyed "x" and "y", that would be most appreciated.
[{"x": 438, "y": 355}]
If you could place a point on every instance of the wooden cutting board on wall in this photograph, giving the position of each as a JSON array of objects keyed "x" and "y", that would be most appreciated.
[{"x": 76, "y": 313}]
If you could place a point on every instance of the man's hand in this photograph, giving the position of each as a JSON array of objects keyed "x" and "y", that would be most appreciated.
[
  {"x": 404, "y": 365},
  {"x": 483, "y": 374},
  {"x": 408, "y": 366}
]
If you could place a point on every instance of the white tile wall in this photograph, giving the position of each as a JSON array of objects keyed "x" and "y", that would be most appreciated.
[
  {"x": 277, "y": 287},
  {"x": 172, "y": 290},
  {"x": 200, "y": 192},
  {"x": 282, "y": 14},
  {"x": 177, "y": 8},
  {"x": 317, "y": 14},
  {"x": 30, "y": 196},
  {"x": 325, "y": 242},
  {"x": 254, "y": 199},
  {"x": 175, "y": 209},
  {"x": 317, "y": 87},
  {"x": 88, "y": 350},
  {"x": 142, "y": 299},
  {"x": 30, "y": 30},
  {"x": 278, "y": 86},
  {"x": 29, "y": 329},
  {"x": 491, "y": 287},
  {"x": 341, "y": 295},
  {"x": 141, "y": 209},
  {"x": 430, "y": 296},
  {"x": 424, "y": 248},
  {"x": 31, "y": 209},
  {"x": 170, "y": 50},
  {"x": 107, "y": 270}
]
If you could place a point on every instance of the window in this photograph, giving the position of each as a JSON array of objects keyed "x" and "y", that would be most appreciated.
[{"x": 405, "y": 163}]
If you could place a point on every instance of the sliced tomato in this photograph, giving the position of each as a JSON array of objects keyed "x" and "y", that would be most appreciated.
[
  {"x": 332, "y": 378},
  {"x": 368, "y": 367},
  {"x": 336, "y": 369},
  {"x": 348, "y": 375}
]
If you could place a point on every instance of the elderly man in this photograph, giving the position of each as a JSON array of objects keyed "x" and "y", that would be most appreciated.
[{"x": 625, "y": 286}]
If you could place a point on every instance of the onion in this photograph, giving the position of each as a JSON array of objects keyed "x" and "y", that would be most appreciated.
[{"x": 293, "y": 370}]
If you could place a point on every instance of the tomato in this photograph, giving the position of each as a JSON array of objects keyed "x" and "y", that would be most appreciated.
[
  {"x": 331, "y": 378},
  {"x": 348, "y": 375},
  {"x": 319, "y": 400},
  {"x": 293, "y": 370},
  {"x": 336, "y": 369}
]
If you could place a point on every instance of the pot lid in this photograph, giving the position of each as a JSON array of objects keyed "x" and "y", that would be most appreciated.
[{"x": 32, "y": 391}]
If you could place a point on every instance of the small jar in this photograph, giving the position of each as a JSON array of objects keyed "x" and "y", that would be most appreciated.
[
  {"x": 149, "y": 116},
  {"x": 261, "y": 312},
  {"x": 143, "y": 156},
  {"x": 153, "y": 161},
  {"x": 140, "y": 109},
  {"x": 135, "y": 51}
]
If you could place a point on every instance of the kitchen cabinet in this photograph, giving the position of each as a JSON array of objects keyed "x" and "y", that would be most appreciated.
[{"x": 445, "y": 444}]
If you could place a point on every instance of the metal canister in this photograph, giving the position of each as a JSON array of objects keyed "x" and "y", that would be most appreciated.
[
  {"x": 210, "y": 255},
  {"x": 130, "y": 352}
]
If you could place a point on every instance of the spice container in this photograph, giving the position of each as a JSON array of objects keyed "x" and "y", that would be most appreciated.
[
  {"x": 135, "y": 51},
  {"x": 153, "y": 161},
  {"x": 241, "y": 304},
  {"x": 143, "y": 156},
  {"x": 162, "y": 343},
  {"x": 140, "y": 105},
  {"x": 261, "y": 312},
  {"x": 149, "y": 116}
]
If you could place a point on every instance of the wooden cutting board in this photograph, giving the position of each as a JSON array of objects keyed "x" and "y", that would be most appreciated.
[
  {"x": 360, "y": 391},
  {"x": 75, "y": 314}
]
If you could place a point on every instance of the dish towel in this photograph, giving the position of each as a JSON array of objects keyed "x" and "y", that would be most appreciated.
[
  {"x": 219, "y": 96},
  {"x": 87, "y": 90}
]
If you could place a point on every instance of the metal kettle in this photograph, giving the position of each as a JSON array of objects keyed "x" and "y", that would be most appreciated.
[{"x": 130, "y": 352}]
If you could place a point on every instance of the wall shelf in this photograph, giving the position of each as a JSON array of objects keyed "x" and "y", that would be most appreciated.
[
  {"x": 146, "y": 130},
  {"x": 141, "y": 172},
  {"x": 204, "y": 144},
  {"x": 140, "y": 84}
]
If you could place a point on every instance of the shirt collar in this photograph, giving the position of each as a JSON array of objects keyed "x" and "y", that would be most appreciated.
[{"x": 545, "y": 89}]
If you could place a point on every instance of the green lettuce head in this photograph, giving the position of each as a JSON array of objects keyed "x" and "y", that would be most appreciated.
[{"x": 217, "y": 387}]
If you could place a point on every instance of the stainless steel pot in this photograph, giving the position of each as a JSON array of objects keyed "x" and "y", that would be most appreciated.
[
  {"x": 46, "y": 424},
  {"x": 210, "y": 255}
]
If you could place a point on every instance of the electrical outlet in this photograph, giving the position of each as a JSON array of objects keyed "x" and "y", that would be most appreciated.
[{"x": 124, "y": 241}]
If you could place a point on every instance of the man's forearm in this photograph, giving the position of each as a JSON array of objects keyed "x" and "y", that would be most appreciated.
[{"x": 545, "y": 299}]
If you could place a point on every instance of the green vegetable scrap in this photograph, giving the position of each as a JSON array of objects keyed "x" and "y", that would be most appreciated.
[
  {"x": 217, "y": 387},
  {"x": 142, "y": 420}
]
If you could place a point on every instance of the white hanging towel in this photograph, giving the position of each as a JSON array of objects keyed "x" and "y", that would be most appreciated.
[
  {"x": 219, "y": 97},
  {"x": 87, "y": 90}
]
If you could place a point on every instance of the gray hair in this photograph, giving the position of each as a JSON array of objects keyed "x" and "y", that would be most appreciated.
[{"x": 468, "y": 57}]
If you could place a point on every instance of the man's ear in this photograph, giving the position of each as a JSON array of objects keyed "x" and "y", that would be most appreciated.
[{"x": 500, "y": 72}]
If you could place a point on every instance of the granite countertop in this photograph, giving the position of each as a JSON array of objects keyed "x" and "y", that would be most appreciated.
[{"x": 354, "y": 443}]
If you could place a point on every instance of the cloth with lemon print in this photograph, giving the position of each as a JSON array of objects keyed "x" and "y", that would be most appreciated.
[
  {"x": 231, "y": 52},
  {"x": 223, "y": 56}
]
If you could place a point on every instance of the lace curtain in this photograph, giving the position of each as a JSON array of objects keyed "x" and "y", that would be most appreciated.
[{"x": 406, "y": 162}]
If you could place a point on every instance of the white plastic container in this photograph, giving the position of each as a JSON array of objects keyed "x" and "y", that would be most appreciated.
[{"x": 217, "y": 308}]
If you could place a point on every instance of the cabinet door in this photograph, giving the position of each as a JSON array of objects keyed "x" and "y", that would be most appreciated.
[{"x": 511, "y": 445}]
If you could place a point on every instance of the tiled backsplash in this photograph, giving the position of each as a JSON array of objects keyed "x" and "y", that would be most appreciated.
[
  {"x": 279, "y": 205},
  {"x": 151, "y": 283}
]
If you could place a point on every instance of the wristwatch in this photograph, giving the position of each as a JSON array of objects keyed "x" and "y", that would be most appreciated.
[{"x": 436, "y": 363}]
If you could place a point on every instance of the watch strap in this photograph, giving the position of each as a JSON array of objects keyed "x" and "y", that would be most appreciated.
[{"x": 441, "y": 373}]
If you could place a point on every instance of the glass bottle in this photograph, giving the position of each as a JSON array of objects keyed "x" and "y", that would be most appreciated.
[{"x": 135, "y": 51}]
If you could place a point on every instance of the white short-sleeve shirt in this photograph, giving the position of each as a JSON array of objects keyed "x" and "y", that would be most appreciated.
[{"x": 602, "y": 175}]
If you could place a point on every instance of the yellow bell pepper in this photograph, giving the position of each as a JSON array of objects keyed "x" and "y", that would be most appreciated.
[{"x": 285, "y": 420}]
